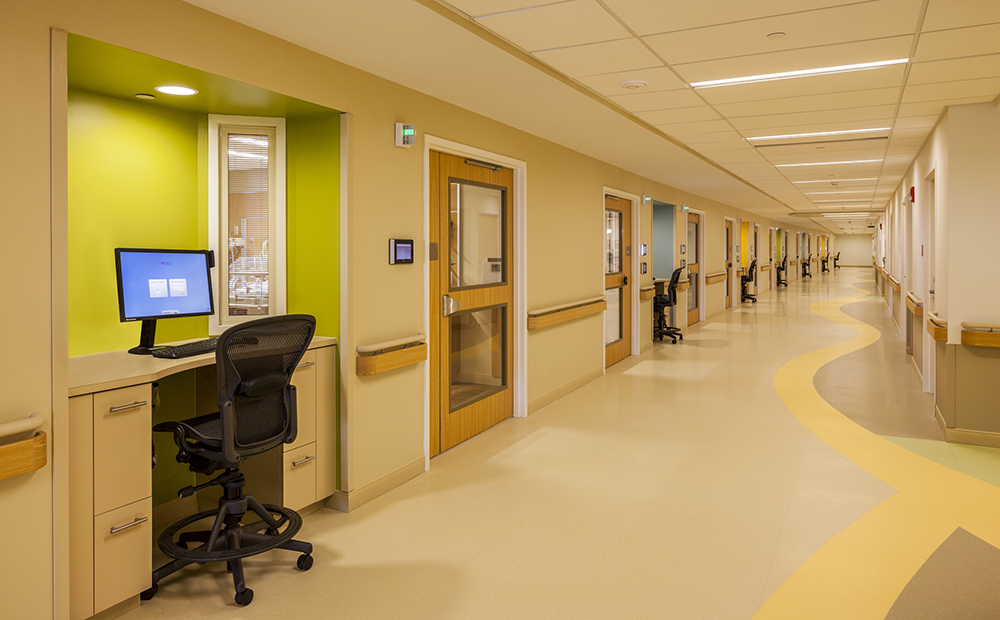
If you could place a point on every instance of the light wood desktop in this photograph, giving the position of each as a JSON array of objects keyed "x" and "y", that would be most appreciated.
[{"x": 111, "y": 478}]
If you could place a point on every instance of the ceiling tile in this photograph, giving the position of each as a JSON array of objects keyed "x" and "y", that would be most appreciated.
[
  {"x": 825, "y": 147},
  {"x": 943, "y": 14},
  {"x": 884, "y": 77},
  {"x": 794, "y": 60},
  {"x": 597, "y": 58},
  {"x": 738, "y": 156},
  {"x": 658, "y": 78},
  {"x": 650, "y": 16},
  {"x": 906, "y": 142},
  {"x": 811, "y": 103},
  {"x": 912, "y": 132},
  {"x": 827, "y": 120},
  {"x": 844, "y": 24},
  {"x": 988, "y": 87},
  {"x": 925, "y": 108},
  {"x": 683, "y": 115},
  {"x": 792, "y": 157},
  {"x": 716, "y": 137},
  {"x": 680, "y": 130},
  {"x": 911, "y": 122},
  {"x": 662, "y": 100},
  {"x": 955, "y": 69},
  {"x": 556, "y": 25},
  {"x": 475, "y": 8},
  {"x": 958, "y": 43}
]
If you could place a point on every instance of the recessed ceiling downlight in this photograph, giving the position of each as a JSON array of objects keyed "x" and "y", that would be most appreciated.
[
  {"x": 633, "y": 84},
  {"x": 776, "y": 35},
  {"x": 144, "y": 96},
  {"x": 176, "y": 90}
]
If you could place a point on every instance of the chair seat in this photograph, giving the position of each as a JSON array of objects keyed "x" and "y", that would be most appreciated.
[{"x": 206, "y": 429}]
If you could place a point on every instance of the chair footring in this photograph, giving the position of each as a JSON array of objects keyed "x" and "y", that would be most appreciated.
[{"x": 259, "y": 543}]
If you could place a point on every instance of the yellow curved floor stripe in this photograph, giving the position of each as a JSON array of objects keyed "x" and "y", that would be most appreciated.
[{"x": 860, "y": 572}]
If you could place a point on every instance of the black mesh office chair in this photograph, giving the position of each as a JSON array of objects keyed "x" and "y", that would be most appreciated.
[
  {"x": 660, "y": 305},
  {"x": 746, "y": 280},
  {"x": 824, "y": 263},
  {"x": 782, "y": 279},
  {"x": 835, "y": 260},
  {"x": 805, "y": 267},
  {"x": 254, "y": 362}
]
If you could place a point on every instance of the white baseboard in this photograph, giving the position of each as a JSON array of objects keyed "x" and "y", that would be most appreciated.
[
  {"x": 346, "y": 501},
  {"x": 558, "y": 393}
]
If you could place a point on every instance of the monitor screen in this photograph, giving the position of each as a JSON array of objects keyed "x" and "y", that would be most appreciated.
[{"x": 160, "y": 284}]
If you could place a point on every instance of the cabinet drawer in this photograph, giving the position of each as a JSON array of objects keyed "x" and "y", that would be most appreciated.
[
  {"x": 304, "y": 380},
  {"x": 123, "y": 559},
  {"x": 299, "y": 477},
  {"x": 122, "y": 447}
]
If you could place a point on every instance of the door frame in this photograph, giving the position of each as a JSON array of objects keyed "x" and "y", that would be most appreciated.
[
  {"x": 701, "y": 256},
  {"x": 519, "y": 205},
  {"x": 633, "y": 271}
]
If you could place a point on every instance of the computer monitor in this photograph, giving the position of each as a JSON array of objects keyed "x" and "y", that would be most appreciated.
[{"x": 162, "y": 284}]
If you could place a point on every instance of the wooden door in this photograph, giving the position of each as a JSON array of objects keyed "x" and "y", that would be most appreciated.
[
  {"x": 694, "y": 268},
  {"x": 471, "y": 301},
  {"x": 753, "y": 256},
  {"x": 729, "y": 263},
  {"x": 617, "y": 285}
]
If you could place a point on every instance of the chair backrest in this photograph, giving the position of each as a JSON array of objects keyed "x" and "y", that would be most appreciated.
[
  {"x": 254, "y": 364},
  {"x": 753, "y": 270},
  {"x": 675, "y": 277}
]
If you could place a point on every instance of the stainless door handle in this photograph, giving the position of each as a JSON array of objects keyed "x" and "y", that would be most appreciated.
[
  {"x": 305, "y": 365},
  {"x": 122, "y": 528},
  {"x": 303, "y": 461},
  {"x": 450, "y": 306},
  {"x": 136, "y": 404}
]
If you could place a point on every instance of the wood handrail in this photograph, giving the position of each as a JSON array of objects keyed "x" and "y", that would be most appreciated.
[
  {"x": 893, "y": 280},
  {"x": 916, "y": 300},
  {"x": 715, "y": 277},
  {"x": 373, "y": 349},
  {"x": 936, "y": 319},
  {"x": 26, "y": 425},
  {"x": 980, "y": 326},
  {"x": 567, "y": 306}
]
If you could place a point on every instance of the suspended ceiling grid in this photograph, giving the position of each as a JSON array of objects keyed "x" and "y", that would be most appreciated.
[{"x": 953, "y": 47}]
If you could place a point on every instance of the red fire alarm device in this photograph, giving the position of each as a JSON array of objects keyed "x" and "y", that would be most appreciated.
[{"x": 913, "y": 195}]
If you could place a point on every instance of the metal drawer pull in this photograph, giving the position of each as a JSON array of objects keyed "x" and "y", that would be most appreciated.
[
  {"x": 304, "y": 364},
  {"x": 136, "y": 404},
  {"x": 305, "y": 460},
  {"x": 138, "y": 521}
]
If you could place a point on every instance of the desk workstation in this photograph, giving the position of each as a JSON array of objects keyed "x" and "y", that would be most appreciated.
[
  {"x": 263, "y": 375},
  {"x": 114, "y": 398}
]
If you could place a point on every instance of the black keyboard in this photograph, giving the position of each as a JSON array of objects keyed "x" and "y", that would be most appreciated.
[{"x": 187, "y": 350}]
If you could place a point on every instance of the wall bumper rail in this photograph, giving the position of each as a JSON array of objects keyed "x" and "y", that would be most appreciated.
[
  {"x": 894, "y": 283},
  {"x": 647, "y": 292},
  {"x": 715, "y": 277},
  {"x": 915, "y": 304},
  {"x": 937, "y": 327},
  {"x": 391, "y": 354},
  {"x": 22, "y": 456},
  {"x": 554, "y": 315},
  {"x": 980, "y": 334}
]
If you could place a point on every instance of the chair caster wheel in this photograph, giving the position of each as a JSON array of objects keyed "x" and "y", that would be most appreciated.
[
  {"x": 305, "y": 562},
  {"x": 150, "y": 593},
  {"x": 271, "y": 531},
  {"x": 244, "y": 598}
]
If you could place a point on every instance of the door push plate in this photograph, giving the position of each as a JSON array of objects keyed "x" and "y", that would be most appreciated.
[
  {"x": 432, "y": 251},
  {"x": 628, "y": 250},
  {"x": 450, "y": 306}
]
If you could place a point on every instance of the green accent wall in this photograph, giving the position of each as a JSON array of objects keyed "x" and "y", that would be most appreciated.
[
  {"x": 313, "y": 219},
  {"x": 133, "y": 182}
]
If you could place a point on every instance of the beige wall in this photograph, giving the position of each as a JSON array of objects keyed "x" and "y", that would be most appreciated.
[{"x": 383, "y": 416}]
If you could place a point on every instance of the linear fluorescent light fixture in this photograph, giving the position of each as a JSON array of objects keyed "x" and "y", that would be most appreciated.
[
  {"x": 820, "y": 133},
  {"x": 836, "y": 180},
  {"x": 844, "y": 200},
  {"x": 853, "y": 191},
  {"x": 830, "y": 163},
  {"x": 788, "y": 75}
]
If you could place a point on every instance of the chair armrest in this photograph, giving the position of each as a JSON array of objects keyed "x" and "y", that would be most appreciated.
[
  {"x": 293, "y": 413},
  {"x": 228, "y": 436}
]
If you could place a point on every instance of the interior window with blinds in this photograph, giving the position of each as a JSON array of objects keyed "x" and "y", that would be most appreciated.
[{"x": 247, "y": 215}]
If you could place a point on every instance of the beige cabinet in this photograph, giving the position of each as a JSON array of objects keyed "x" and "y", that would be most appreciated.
[
  {"x": 111, "y": 507},
  {"x": 110, "y": 498}
]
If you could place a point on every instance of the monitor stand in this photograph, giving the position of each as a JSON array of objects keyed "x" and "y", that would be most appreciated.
[{"x": 147, "y": 338}]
